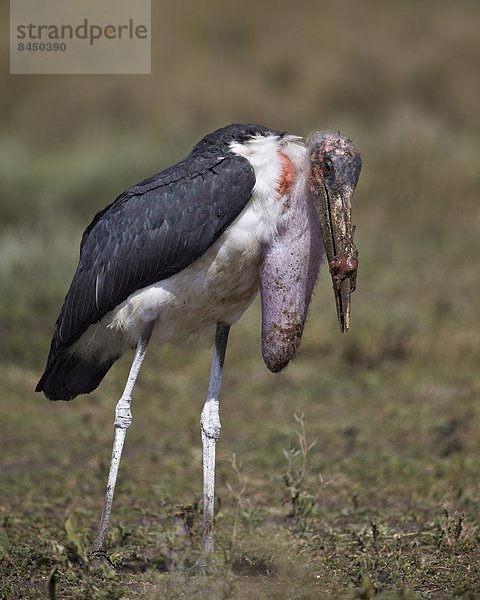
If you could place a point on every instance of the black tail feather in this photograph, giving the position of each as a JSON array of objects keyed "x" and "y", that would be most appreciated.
[{"x": 69, "y": 375}]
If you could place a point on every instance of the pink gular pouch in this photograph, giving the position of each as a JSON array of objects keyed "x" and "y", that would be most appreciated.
[{"x": 316, "y": 221}]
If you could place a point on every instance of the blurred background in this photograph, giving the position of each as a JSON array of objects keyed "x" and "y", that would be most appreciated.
[{"x": 393, "y": 404}]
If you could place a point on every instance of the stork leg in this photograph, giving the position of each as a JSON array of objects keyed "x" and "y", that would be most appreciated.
[
  {"x": 210, "y": 426},
  {"x": 123, "y": 420}
]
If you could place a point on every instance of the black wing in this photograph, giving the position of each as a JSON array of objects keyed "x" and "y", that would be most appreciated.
[{"x": 152, "y": 231}]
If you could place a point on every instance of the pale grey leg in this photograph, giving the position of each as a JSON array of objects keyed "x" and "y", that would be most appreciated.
[
  {"x": 123, "y": 419},
  {"x": 210, "y": 426}
]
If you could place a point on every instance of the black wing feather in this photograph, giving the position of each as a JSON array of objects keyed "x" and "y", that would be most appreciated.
[{"x": 152, "y": 231}]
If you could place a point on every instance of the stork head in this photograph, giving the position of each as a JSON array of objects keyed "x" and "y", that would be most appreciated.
[{"x": 335, "y": 166}]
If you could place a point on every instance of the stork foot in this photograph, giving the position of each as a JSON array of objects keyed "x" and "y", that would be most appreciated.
[
  {"x": 207, "y": 564},
  {"x": 100, "y": 561}
]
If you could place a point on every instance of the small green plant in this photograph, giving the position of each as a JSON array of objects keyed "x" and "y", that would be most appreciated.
[
  {"x": 191, "y": 518},
  {"x": 449, "y": 529},
  {"x": 300, "y": 499},
  {"x": 4, "y": 544},
  {"x": 238, "y": 495}
]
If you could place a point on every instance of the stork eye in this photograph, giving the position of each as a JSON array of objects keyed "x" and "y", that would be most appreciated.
[{"x": 327, "y": 167}]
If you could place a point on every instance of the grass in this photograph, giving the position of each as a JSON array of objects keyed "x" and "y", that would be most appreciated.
[{"x": 354, "y": 474}]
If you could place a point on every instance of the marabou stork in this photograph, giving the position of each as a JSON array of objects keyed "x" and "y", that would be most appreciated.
[{"x": 187, "y": 250}]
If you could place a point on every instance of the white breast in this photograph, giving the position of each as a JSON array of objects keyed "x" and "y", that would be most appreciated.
[{"x": 218, "y": 286}]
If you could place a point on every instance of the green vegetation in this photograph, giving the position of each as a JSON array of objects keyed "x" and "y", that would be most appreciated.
[{"x": 386, "y": 502}]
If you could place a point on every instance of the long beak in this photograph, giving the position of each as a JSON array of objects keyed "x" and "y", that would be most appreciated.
[{"x": 334, "y": 212}]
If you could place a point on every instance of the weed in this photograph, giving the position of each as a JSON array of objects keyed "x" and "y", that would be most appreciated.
[
  {"x": 238, "y": 495},
  {"x": 301, "y": 499},
  {"x": 449, "y": 529}
]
